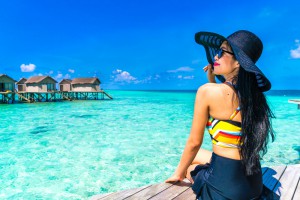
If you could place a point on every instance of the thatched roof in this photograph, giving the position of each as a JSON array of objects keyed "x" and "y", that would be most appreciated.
[
  {"x": 22, "y": 81},
  {"x": 4, "y": 75},
  {"x": 38, "y": 79},
  {"x": 66, "y": 81},
  {"x": 93, "y": 80}
]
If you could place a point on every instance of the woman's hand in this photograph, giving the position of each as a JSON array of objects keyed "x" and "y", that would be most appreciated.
[
  {"x": 210, "y": 73},
  {"x": 207, "y": 67},
  {"x": 174, "y": 178}
]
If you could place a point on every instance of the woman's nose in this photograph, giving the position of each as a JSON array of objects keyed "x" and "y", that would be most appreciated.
[{"x": 216, "y": 57}]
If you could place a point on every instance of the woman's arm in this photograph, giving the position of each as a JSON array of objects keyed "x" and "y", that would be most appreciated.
[
  {"x": 196, "y": 134},
  {"x": 210, "y": 73}
]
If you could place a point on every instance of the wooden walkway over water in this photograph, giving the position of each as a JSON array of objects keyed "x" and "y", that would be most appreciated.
[
  {"x": 280, "y": 182},
  {"x": 51, "y": 96},
  {"x": 295, "y": 101}
]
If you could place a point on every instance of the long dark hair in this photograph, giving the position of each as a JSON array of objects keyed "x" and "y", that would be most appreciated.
[{"x": 256, "y": 121}]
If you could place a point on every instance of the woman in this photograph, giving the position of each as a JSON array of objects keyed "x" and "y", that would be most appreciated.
[{"x": 237, "y": 116}]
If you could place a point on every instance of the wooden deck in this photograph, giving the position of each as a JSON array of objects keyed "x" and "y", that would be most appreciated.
[
  {"x": 280, "y": 182},
  {"x": 50, "y": 96},
  {"x": 295, "y": 101}
]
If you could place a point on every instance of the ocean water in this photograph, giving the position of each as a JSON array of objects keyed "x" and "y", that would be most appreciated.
[{"x": 74, "y": 150}]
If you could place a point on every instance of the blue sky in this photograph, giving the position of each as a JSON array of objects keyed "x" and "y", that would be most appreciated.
[{"x": 142, "y": 44}]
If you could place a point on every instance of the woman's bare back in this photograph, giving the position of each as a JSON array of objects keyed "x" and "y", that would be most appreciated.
[{"x": 223, "y": 103}]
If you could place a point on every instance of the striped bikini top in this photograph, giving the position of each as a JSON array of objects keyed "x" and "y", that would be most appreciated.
[{"x": 225, "y": 133}]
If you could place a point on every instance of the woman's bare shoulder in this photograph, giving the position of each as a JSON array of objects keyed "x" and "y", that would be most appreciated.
[
  {"x": 209, "y": 90},
  {"x": 210, "y": 86}
]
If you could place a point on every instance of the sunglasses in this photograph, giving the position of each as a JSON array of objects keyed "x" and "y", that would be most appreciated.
[{"x": 220, "y": 53}]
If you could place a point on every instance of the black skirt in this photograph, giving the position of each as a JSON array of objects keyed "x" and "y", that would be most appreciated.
[{"x": 224, "y": 178}]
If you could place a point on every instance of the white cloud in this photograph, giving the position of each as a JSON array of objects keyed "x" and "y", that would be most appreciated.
[
  {"x": 59, "y": 75},
  {"x": 295, "y": 53},
  {"x": 71, "y": 71},
  {"x": 145, "y": 80},
  {"x": 148, "y": 78},
  {"x": 181, "y": 69},
  {"x": 156, "y": 76},
  {"x": 27, "y": 68},
  {"x": 188, "y": 77},
  {"x": 185, "y": 77},
  {"x": 51, "y": 72},
  {"x": 40, "y": 74},
  {"x": 123, "y": 76},
  {"x": 67, "y": 76},
  {"x": 117, "y": 71}
]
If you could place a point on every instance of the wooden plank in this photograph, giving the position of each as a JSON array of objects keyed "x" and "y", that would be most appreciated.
[
  {"x": 287, "y": 184},
  {"x": 296, "y": 101},
  {"x": 173, "y": 191},
  {"x": 297, "y": 191},
  {"x": 124, "y": 194},
  {"x": 272, "y": 175},
  {"x": 186, "y": 195},
  {"x": 150, "y": 191},
  {"x": 22, "y": 97},
  {"x": 107, "y": 95},
  {"x": 282, "y": 182},
  {"x": 99, "y": 196},
  {"x": 66, "y": 97}
]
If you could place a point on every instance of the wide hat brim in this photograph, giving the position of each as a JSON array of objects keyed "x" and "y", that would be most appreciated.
[{"x": 212, "y": 42}]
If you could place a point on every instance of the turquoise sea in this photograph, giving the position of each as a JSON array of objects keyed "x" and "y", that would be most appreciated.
[{"x": 74, "y": 150}]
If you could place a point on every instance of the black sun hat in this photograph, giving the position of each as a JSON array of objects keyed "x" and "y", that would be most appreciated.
[{"x": 246, "y": 46}]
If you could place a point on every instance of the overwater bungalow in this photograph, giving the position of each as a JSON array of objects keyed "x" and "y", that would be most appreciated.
[
  {"x": 43, "y": 89},
  {"x": 40, "y": 84},
  {"x": 65, "y": 85},
  {"x": 86, "y": 84},
  {"x": 21, "y": 85},
  {"x": 7, "y": 84}
]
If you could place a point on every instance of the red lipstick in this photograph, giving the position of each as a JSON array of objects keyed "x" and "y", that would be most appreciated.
[{"x": 216, "y": 64}]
